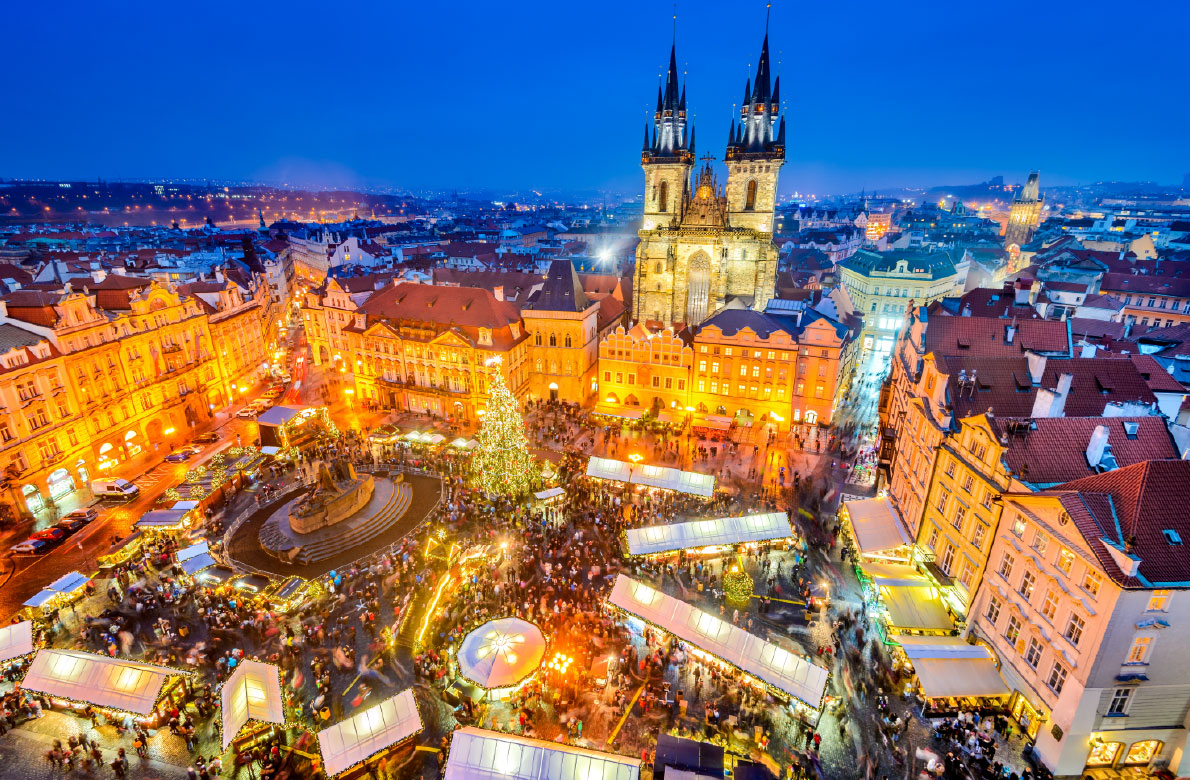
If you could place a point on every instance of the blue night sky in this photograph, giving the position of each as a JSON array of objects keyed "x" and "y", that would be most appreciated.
[{"x": 473, "y": 95}]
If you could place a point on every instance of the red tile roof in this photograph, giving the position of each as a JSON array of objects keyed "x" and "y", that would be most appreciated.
[
  {"x": 1136, "y": 503},
  {"x": 1122, "y": 284},
  {"x": 1004, "y": 384},
  {"x": 465, "y": 308},
  {"x": 1049, "y": 450},
  {"x": 985, "y": 336},
  {"x": 1155, "y": 375}
]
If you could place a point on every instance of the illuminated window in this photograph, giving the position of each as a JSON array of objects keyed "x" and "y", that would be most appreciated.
[
  {"x": 1049, "y": 607},
  {"x": 1028, "y": 582},
  {"x": 1065, "y": 561},
  {"x": 1159, "y": 601},
  {"x": 1139, "y": 652}
]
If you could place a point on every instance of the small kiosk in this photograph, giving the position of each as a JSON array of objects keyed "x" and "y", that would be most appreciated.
[
  {"x": 252, "y": 693},
  {"x": 63, "y": 591},
  {"x": 359, "y": 745}
]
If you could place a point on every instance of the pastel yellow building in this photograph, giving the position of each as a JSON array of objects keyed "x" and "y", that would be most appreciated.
[{"x": 642, "y": 370}]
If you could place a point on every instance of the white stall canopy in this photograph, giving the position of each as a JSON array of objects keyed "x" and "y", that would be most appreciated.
[
  {"x": 652, "y": 476},
  {"x": 100, "y": 680},
  {"x": 16, "y": 639},
  {"x": 764, "y": 660},
  {"x": 63, "y": 586},
  {"x": 704, "y": 533},
  {"x": 364, "y": 734},
  {"x": 948, "y": 666},
  {"x": 875, "y": 525},
  {"x": 186, "y": 553},
  {"x": 479, "y": 754},
  {"x": 253, "y": 692}
]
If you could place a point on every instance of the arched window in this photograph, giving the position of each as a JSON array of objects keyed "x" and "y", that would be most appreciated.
[
  {"x": 553, "y": 340},
  {"x": 539, "y": 339},
  {"x": 567, "y": 339},
  {"x": 663, "y": 196},
  {"x": 750, "y": 198}
]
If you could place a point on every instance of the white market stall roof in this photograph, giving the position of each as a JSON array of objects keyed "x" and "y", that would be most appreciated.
[
  {"x": 912, "y": 601},
  {"x": 186, "y": 553},
  {"x": 16, "y": 639},
  {"x": 464, "y": 444},
  {"x": 434, "y": 438},
  {"x": 652, "y": 476},
  {"x": 364, "y": 734},
  {"x": 549, "y": 493},
  {"x": 615, "y": 410},
  {"x": 875, "y": 525},
  {"x": 161, "y": 518},
  {"x": 501, "y": 653},
  {"x": 279, "y": 415},
  {"x": 712, "y": 421},
  {"x": 949, "y": 666},
  {"x": 127, "y": 686},
  {"x": 703, "y": 533},
  {"x": 606, "y": 468},
  {"x": 479, "y": 754},
  {"x": 192, "y": 566},
  {"x": 63, "y": 586},
  {"x": 253, "y": 692},
  {"x": 774, "y": 665},
  {"x": 185, "y": 506}
]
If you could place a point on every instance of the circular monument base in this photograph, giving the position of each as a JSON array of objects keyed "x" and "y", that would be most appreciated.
[{"x": 388, "y": 504}]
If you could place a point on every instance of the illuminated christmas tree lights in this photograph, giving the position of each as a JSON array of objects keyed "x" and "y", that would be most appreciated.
[{"x": 501, "y": 464}]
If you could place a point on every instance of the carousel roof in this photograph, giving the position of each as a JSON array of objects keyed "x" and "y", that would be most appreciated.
[{"x": 501, "y": 653}]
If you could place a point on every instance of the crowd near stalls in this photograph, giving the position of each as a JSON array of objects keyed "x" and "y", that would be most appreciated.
[{"x": 636, "y": 601}]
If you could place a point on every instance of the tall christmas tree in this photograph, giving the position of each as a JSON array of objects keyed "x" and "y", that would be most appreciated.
[{"x": 501, "y": 464}]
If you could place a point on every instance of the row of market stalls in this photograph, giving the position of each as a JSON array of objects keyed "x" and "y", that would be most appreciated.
[
  {"x": 716, "y": 535},
  {"x": 661, "y": 477},
  {"x": 916, "y": 611},
  {"x": 764, "y": 664},
  {"x": 253, "y": 703}
]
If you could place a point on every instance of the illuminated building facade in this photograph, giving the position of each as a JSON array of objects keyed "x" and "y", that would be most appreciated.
[
  {"x": 642, "y": 369},
  {"x": 424, "y": 348},
  {"x": 564, "y": 351}
]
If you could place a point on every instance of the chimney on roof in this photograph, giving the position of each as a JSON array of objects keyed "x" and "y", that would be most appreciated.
[
  {"x": 1088, "y": 350},
  {"x": 1009, "y": 333},
  {"x": 98, "y": 275},
  {"x": 1128, "y": 409},
  {"x": 499, "y": 292},
  {"x": 219, "y": 275},
  {"x": 1098, "y": 448},
  {"x": 1021, "y": 291},
  {"x": 966, "y": 310},
  {"x": 1036, "y": 363}
]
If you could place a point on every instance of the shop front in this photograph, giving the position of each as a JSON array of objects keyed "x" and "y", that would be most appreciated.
[
  {"x": 60, "y": 484},
  {"x": 1109, "y": 752},
  {"x": 1026, "y": 715},
  {"x": 33, "y": 498}
]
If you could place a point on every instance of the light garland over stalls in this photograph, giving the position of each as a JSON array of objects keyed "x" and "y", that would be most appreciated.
[{"x": 501, "y": 464}]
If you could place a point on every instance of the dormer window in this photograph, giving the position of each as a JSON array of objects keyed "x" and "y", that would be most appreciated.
[{"x": 485, "y": 336}]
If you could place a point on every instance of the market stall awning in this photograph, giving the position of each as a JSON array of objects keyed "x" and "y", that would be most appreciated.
[
  {"x": 279, "y": 415},
  {"x": 253, "y": 692},
  {"x": 16, "y": 639},
  {"x": 875, "y": 525},
  {"x": 97, "y": 679},
  {"x": 652, "y": 476},
  {"x": 606, "y": 468},
  {"x": 201, "y": 562},
  {"x": 433, "y": 438},
  {"x": 501, "y": 653},
  {"x": 364, "y": 734},
  {"x": 186, "y": 553},
  {"x": 949, "y": 666},
  {"x": 774, "y": 665},
  {"x": 615, "y": 410},
  {"x": 916, "y": 606},
  {"x": 712, "y": 422},
  {"x": 162, "y": 519},
  {"x": 218, "y": 574},
  {"x": 479, "y": 754},
  {"x": 671, "y": 417},
  {"x": 549, "y": 493},
  {"x": 69, "y": 583},
  {"x": 704, "y": 533}
]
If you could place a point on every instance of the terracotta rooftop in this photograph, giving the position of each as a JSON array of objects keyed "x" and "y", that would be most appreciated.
[
  {"x": 1142, "y": 506},
  {"x": 988, "y": 336}
]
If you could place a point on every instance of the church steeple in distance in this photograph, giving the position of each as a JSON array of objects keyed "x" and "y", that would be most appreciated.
[
  {"x": 671, "y": 138},
  {"x": 758, "y": 135}
]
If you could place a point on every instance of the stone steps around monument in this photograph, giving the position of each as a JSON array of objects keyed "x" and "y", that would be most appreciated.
[{"x": 377, "y": 524}]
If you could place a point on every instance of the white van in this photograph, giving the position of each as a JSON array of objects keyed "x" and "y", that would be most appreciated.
[{"x": 114, "y": 488}]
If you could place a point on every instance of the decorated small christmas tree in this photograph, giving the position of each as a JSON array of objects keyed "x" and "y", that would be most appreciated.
[{"x": 501, "y": 464}]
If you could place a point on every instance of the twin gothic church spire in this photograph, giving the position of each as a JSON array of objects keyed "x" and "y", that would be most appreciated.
[{"x": 670, "y": 138}]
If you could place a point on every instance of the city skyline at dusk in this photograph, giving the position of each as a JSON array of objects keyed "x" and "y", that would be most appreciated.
[{"x": 478, "y": 97}]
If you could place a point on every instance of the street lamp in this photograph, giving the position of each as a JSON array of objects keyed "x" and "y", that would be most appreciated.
[{"x": 636, "y": 458}]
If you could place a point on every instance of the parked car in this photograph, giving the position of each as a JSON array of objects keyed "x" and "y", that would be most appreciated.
[
  {"x": 86, "y": 515},
  {"x": 178, "y": 456},
  {"x": 247, "y": 413},
  {"x": 50, "y": 535},
  {"x": 70, "y": 524},
  {"x": 210, "y": 437},
  {"x": 114, "y": 488},
  {"x": 30, "y": 547}
]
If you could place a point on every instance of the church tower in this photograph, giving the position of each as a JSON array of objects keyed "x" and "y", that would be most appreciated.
[
  {"x": 669, "y": 156},
  {"x": 756, "y": 151},
  {"x": 1025, "y": 215}
]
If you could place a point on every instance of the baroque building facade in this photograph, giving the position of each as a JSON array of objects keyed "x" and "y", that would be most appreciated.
[{"x": 702, "y": 245}]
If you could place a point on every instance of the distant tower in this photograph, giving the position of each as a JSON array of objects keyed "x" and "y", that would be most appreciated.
[
  {"x": 1025, "y": 216},
  {"x": 756, "y": 151},
  {"x": 669, "y": 157}
]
